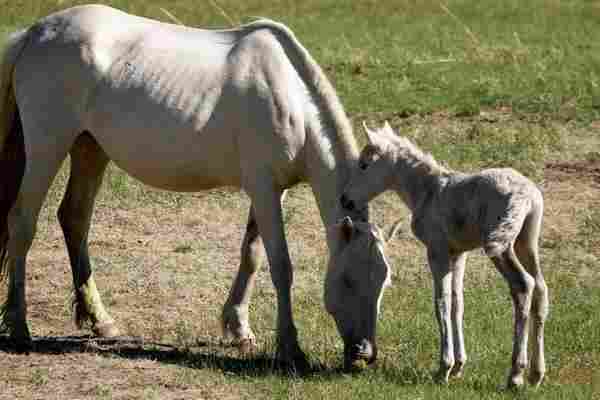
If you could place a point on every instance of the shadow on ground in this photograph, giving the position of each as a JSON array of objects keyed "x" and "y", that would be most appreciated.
[{"x": 204, "y": 355}]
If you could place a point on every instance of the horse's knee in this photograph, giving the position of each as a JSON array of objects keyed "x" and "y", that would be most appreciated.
[{"x": 495, "y": 250}]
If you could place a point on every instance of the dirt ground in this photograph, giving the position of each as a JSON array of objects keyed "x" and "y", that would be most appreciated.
[{"x": 164, "y": 265}]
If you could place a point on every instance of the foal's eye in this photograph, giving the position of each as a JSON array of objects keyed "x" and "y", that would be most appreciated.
[{"x": 363, "y": 165}]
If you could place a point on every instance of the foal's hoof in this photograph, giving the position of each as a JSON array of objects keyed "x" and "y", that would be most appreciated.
[
  {"x": 457, "y": 370},
  {"x": 535, "y": 378},
  {"x": 515, "y": 382},
  {"x": 106, "y": 330}
]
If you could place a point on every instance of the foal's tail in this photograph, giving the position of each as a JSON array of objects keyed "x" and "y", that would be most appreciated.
[{"x": 12, "y": 151}]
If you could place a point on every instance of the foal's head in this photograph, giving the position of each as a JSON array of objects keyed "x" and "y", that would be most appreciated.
[
  {"x": 376, "y": 168},
  {"x": 387, "y": 162},
  {"x": 357, "y": 275}
]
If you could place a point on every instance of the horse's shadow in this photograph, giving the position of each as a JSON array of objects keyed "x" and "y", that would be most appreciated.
[{"x": 203, "y": 355}]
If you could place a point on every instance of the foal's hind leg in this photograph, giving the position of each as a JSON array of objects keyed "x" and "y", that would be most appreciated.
[
  {"x": 521, "y": 289},
  {"x": 88, "y": 163},
  {"x": 526, "y": 248}
]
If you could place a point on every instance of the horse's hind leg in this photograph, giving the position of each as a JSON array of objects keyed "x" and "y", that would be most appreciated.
[
  {"x": 43, "y": 159},
  {"x": 521, "y": 289},
  {"x": 88, "y": 163},
  {"x": 235, "y": 311},
  {"x": 526, "y": 248}
]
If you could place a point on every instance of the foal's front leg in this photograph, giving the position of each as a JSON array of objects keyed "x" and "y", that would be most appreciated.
[
  {"x": 439, "y": 262},
  {"x": 457, "y": 266}
]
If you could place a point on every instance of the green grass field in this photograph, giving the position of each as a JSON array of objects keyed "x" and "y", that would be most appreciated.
[{"x": 477, "y": 83}]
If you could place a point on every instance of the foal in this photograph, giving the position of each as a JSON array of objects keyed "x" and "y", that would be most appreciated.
[{"x": 497, "y": 209}]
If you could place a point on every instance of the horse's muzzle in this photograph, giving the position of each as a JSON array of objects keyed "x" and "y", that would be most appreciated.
[{"x": 357, "y": 354}]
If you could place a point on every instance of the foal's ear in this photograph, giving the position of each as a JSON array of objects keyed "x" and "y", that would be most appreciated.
[{"x": 347, "y": 229}]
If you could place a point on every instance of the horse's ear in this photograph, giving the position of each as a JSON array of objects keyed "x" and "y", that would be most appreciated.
[{"x": 347, "y": 229}]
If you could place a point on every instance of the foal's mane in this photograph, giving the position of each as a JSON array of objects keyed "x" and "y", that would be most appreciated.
[{"x": 415, "y": 158}]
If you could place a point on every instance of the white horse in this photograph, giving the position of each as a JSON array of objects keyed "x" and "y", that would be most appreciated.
[
  {"x": 452, "y": 213},
  {"x": 180, "y": 109}
]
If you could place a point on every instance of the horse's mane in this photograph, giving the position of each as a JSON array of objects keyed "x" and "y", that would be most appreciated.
[{"x": 331, "y": 113}]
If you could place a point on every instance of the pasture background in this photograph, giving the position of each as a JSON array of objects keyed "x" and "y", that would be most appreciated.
[{"x": 477, "y": 83}]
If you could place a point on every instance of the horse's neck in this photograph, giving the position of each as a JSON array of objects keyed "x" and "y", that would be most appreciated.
[
  {"x": 331, "y": 156},
  {"x": 415, "y": 185}
]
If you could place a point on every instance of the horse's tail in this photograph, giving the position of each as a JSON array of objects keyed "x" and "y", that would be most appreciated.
[
  {"x": 12, "y": 151},
  {"x": 320, "y": 88}
]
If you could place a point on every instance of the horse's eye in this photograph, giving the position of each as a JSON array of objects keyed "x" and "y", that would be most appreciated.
[{"x": 363, "y": 165}]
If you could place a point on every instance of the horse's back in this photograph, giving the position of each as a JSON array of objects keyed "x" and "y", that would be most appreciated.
[{"x": 159, "y": 98}]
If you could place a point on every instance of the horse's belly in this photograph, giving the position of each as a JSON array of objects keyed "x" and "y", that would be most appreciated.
[{"x": 183, "y": 160}]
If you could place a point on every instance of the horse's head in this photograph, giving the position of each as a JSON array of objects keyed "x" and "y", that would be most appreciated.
[{"x": 357, "y": 275}]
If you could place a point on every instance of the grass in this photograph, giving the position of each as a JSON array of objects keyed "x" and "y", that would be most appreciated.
[{"x": 479, "y": 84}]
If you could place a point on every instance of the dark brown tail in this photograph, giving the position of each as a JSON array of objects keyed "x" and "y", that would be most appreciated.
[
  {"x": 12, "y": 150},
  {"x": 12, "y": 167}
]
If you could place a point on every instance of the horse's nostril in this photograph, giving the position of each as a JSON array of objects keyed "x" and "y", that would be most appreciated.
[{"x": 346, "y": 203}]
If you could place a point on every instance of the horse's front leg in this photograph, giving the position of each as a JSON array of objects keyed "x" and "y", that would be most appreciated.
[
  {"x": 268, "y": 212},
  {"x": 439, "y": 263},
  {"x": 457, "y": 267},
  {"x": 234, "y": 319}
]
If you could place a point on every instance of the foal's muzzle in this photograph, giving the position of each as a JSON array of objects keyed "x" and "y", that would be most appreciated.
[{"x": 347, "y": 203}]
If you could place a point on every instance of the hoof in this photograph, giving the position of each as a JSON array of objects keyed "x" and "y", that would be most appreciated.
[
  {"x": 515, "y": 382},
  {"x": 536, "y": 378},
  {"x": 106, "y": 330},
  {"x": 457, "y": 371},
  {"x": 247, "y": 347}
]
